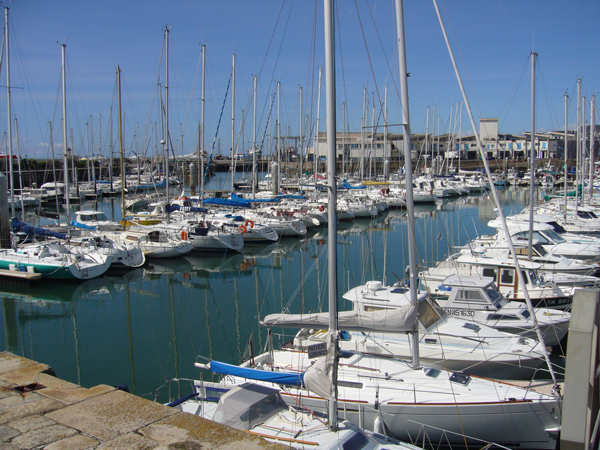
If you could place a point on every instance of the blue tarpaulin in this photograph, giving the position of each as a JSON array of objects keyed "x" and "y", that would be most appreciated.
[
  {"x": 287, "y": 378},
  {"x": 224, "y": 201},
  {"x": 17, "y": 226},
  {"x": 81, "y": 225}
]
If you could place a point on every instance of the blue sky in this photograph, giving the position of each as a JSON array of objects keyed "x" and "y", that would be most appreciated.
[{"x": 493, "y": 41}]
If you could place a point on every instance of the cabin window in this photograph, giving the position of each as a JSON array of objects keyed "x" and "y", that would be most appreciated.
[
  {"x": 431, "y": 372},
  {"x": 430, "y": 341},
  {"x": 494, "y": 294},
  {"x": 540, "y": 250},
  {"x": 472, "y": 326},
  {"x": 558, "y": 228},
  {"x": 507, "y": 276},
  {"x": 556, "y": 238},
  {"x": 350, "y": 384},
  {"x": 370, "y": 308},
  {"x": 470, "y": 295},
  {"x": 526, "y": 314},
  {"x": 356, "y": 442},
  {"x": 502, "y": 317},
  {"x": 490, "y": 272}
]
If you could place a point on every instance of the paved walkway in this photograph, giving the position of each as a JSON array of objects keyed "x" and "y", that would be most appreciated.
[{"x": 39, "y": 410}]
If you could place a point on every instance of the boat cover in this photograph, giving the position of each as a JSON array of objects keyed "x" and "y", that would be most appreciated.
[
  {"x": 228, "y": 202},
  {"x": 81, "y": 225},
  {"x": 248, "y": 405},
  {"x": 389, "y": 320},
  {"x": 172, "y": 208},
  {"x": 254, "y": 200},
  {"x": 17, "y": 226},
  {"x": 287, "y": 378}
]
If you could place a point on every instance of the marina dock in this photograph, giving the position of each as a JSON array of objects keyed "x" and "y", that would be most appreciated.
[{"x": 39, "y": 410}]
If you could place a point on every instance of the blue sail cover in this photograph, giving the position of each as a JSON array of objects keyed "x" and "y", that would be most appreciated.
[
  {"x": 17, "y": 226},
  {"x": 287, "y": 378},
  {"x": 81, "y": 225},
  {"x": 224, "y": 201},
  {"x": 347, "y": 185}
]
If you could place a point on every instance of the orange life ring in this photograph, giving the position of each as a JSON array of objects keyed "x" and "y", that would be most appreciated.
[
  {"x": 243, "y": 229},
  {"x": 321, "y": 208},
  {"x": 249, "y": 222},
  {"x": 184, "y": 236}
]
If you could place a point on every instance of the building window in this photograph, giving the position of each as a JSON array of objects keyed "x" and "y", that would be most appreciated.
[
  {"x": 519, "y": 146},
  {"x": 544, "y": 145},
  {"x": 510, "y": 145}
]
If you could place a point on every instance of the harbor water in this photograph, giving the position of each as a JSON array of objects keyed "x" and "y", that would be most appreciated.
[{"x": 147, "y": 326}]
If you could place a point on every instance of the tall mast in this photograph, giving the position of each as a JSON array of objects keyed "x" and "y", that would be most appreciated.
[
  {"x": 167, "y": 28},
  {"x": 532, "y": 163},
  {"x": 343, "y": 138},
  {"x": 371, "y": 154},
  {"x": 316, "y": 140},
  {"x": 592, "y": 144},
  {"x": 8, "y": 103},
  {"x": 279, "y": 149},
  {"x": 460, "y": 137},
  {"x": 111, "y": 148},
  {"x": 362, "y": 135},
  {"x": 254, "y": 141},
  {"x": 122, "y": 159},
  {"x": 301, "y": 137},
  {"x": 427, "y": 138},
  {"x": 65, "y": 149},
  {"x": 566, "y": 148},
  {"x": 578, "y": 163},
  {"x": 412, "y": 255},
  {"x": 386, "y": 161},
  {"x": 202, "y": 124},
  {"x": 232, "y": 122},
  {"x": 331, "y": 180}
]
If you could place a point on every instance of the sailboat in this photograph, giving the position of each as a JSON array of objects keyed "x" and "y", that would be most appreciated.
[
  {"x": 407, "y": 399},
  {"x": 261, "y": 409}
]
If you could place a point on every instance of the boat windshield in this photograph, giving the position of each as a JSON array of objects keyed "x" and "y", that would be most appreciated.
[
  {"x": 558, "y": 228},
  {"x": 356, "y": 442},
  {"x": 555, "y": 237},
  {"x": 494, "y": 294}
]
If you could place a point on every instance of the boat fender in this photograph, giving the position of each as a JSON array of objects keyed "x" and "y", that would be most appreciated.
[
  {"x": 184, "y": 236},
  {"x": 249, "y": 222},
  {"x": 321, "y": 208},
  {"x": 243, "y": 229}
]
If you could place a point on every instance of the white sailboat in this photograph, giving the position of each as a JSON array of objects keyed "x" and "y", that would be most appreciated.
[{"x": 410, "y": 399}]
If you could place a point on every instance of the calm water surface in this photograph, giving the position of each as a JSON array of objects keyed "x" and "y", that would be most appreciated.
[{"x": 149, "y": 325}]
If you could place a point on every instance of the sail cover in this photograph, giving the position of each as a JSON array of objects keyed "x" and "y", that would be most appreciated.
[
  {"x": 287, "y": 378},
  {"x": 389, "y": 320},
  {"x": 318, "y": 378},
  {"x": 17, "y": 226}
]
